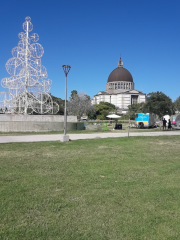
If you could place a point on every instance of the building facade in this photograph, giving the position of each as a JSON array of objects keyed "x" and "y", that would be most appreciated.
[{"x": 120, "y": 90}]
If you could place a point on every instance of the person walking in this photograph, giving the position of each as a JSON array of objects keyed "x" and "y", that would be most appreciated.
[
  {"x": 169, "y": 124},
  {"x": 164, "y": 124}
]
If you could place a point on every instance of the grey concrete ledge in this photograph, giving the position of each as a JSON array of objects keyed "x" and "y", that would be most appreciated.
[
  {"x": 35, "y": 118},
  {"x": 38, "y": 126}
]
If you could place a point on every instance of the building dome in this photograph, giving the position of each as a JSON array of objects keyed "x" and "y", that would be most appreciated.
[
  {"x": 120, "y": 90},
  {"x": 120, "y": 74}
]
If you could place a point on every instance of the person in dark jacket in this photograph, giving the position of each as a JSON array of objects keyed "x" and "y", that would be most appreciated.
[
  {"x": 169, "y": 124},
  {"x": 164, "y": 124}
]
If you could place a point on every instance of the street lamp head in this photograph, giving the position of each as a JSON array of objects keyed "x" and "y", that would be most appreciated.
[{"x": 66, "y": 69}]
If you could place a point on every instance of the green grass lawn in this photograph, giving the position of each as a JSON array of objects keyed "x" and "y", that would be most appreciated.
[{"x": 123, "y": 188}]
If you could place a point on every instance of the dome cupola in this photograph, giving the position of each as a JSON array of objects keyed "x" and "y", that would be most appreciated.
[
  {"x": 120, "y": 74},
  {"x": 120, "y": 79}
]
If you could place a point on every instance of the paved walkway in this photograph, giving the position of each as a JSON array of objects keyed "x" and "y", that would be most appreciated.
[{"x": 58, "y": 137}]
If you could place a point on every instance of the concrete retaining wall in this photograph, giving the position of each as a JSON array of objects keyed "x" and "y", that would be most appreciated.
[
  {"x": 37, "y": 123},
  {"x": 38, "y": 126}
]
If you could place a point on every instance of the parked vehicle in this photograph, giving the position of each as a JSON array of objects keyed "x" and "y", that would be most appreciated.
[
  {"x": 145, "y": 120},
  {"x": 173, "y": 118},
  {"x": 84, "y": 118},
  {"x": 177, "y": 124}
]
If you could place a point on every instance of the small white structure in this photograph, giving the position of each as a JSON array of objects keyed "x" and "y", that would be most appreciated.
[
  {"x": 113, "y": 116},
  {"x": 120, "y": 90}
]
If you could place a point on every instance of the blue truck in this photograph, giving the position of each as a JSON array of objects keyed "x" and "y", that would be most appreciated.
[{"x": 145, "y": 120}]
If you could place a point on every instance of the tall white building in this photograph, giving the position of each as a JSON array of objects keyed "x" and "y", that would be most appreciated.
[{"x": 120, "y": 90}]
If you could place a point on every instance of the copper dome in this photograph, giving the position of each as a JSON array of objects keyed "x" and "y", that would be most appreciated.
[{"x": 120, "y": 74}]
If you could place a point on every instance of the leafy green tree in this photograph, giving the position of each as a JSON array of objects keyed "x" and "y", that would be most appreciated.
[
  {"x": 73, "y": 93},
  {"x": 160, "y": 104},
  {"x": 135, "y": 108},
  {"x": 177, "y": 104},
  {"x": 91, "y": 114},
  {"x": 60, "y": 102},
  {"x": 103, "y": 109}
]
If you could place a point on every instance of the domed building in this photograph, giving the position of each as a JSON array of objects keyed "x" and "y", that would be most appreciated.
[{"x": 120, "y": 90}]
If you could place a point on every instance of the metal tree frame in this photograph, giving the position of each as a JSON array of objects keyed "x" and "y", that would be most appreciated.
[{"x": 28, "y": 85}]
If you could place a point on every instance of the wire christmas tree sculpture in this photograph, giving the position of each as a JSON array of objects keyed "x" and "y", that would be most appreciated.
[{"x": 28, "y": 85}]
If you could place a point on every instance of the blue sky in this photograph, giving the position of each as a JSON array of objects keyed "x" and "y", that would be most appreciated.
[{"x": 91, "y": 35}]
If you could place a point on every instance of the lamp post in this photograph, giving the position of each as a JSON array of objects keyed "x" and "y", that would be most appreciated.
[{"x": 66, "y": 69}]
